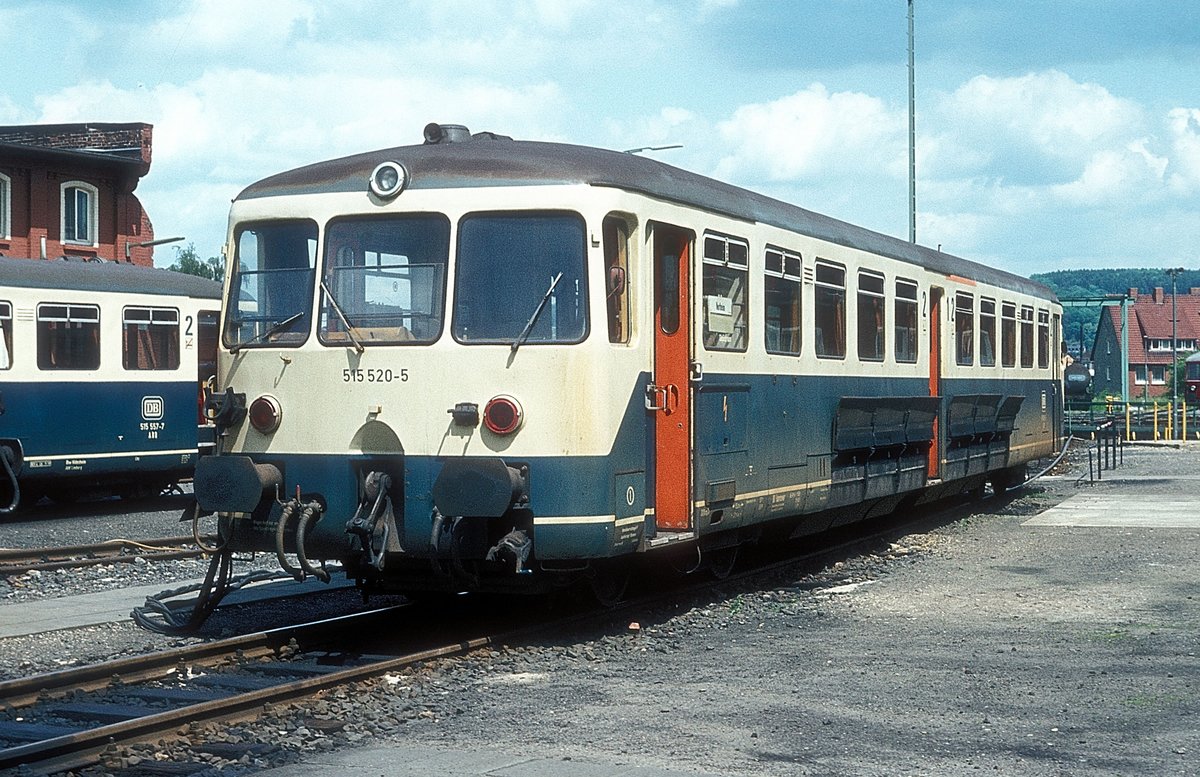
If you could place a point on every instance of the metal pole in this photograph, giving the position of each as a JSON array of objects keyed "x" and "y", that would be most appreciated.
[
  {"x": 912, "y": 133},
  {"x": 1174, "y": 273}
]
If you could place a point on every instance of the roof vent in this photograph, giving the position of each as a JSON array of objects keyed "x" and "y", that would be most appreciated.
[{"x": 446, "y": 133}]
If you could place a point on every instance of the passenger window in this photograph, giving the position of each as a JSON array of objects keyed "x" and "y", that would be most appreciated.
[
  {"x": 6, "y": 337},
  {"x": 1043, "y": 339},
  {"x": 906, "y": 322},
  {"x": 616, "y": 278},
  {"x": 150, "y": 339},
  {"x": 726, "y": 269},
  {"x": 1008, "y": 335},
  {"x": 1026, "y": 336},
  {"x": 964, "y": 326},
  {"x": 829, "y": 311},
  {"x": 987, "y": 332},
  {"x": 871, "y": 308},
  {"x": 68, "y": 337},
  {"x": 781, "y": 309}
]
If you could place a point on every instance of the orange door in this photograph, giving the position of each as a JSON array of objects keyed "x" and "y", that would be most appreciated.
[
  {"x": 935, "y": 375},
  {"x": 668, "y": 397}
]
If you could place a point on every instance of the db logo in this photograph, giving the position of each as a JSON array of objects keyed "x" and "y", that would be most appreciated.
[{"x": 152, "y": 408}]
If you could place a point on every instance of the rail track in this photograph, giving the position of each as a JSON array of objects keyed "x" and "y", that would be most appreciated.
[
  {"x": 15, "y": 561},
  {"x": 67, "y": 719}
]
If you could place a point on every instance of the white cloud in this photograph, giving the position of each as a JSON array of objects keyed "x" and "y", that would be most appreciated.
[
  {"x": 1184, "y": 127},
  {"x": 813, "y": 132}
]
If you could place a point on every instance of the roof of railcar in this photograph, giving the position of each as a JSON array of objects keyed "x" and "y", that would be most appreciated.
[
  {"x": 103, "y": 276},
  {"x": 489, "y": 160}
]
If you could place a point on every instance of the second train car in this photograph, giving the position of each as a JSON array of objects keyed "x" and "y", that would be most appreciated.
[
  {"x": 102, "y": 371},
  {"x": 478, "y": 363}
]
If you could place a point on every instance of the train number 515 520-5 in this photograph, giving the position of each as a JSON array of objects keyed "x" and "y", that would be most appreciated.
[{"x": 371, "y": 375}]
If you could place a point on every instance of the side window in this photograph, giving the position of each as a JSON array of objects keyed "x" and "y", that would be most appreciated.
[
  {"x": 6, "y": 337},
  {"x": 150, "y": 339},
  {"x": 829, "y": 310},
  {"x": 1026, "y": 336},
  {"x": 871, "y": 306},
  {"x": 964, "y": 328},
  {"x": 68, "y": 337},
  {"x": 1043, "y": 339},
  {"x": 781, "y": 309},
  {"x": 271, "y": 288},
  {"x": 987, "y": 332},
  {"x": 1008, "y": 334},
  {"x": 726, "y": 270},
  {"x": 5, "y": 207},
  {"x": 80, "y": 209},
  {"x": 616, "y": 278},
  {"x": 906, "y": 321}
]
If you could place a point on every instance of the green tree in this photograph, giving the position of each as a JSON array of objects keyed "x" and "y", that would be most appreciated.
[{"x": 188, "y": 261}]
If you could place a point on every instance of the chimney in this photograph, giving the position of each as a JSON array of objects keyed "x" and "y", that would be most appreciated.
[
  {"x": 1159, "y": 297},
  {"x": 1194, "y": 291},
  {"x": 1133, "y": 293}
]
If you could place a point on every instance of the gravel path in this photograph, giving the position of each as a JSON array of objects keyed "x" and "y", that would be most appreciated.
[{"x": 976, "y": 645}]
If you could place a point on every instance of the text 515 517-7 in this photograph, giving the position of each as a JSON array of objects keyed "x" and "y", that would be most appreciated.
[{"x": 371, "y": 375}]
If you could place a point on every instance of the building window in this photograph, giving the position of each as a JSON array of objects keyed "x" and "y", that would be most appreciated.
[
  {"x": 830, "y": 311},
  {"x": 964, "y": 326},
  {"x": 726, "y": 268},
  {"x": 1139, "y": 374},
  {"x": 151, "y": 339},
  {"x": 6, "y": 341},
  {"x": 1008, "y": 334},
  {"x": 5, "y": 207},
  {"x": 1026, "y": 336},
  {"x": 781, "y": 309},
  {"x": 906, "y": 322},
  {"x": 80, "y": 213},
  {"x": 1158, "y": 375},
  {"x": 616, "y": 268},
  {"x": 68, "y": 337},
  {"x": 987, "y": 332}
]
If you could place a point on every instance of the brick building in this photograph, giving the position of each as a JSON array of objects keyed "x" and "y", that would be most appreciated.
[
  {"x": 1149, "y": 343},
  {"x": 67, "y": 190}
]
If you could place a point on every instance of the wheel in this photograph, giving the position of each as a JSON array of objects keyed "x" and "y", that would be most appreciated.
[
  {"x": 608, "y": 583},
  {"x": 720, "y": 561}
]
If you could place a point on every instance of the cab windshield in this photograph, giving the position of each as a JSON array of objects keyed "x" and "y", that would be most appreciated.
[
  {"x": 272, "y": 286},
  {"x": 520, "y": 279},
  {"x": 385, "y": 280}
]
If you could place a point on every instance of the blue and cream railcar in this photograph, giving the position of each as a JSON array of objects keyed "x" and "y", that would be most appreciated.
[
  {"x": 480, "y": 362},
  {"x": 101, "y": 368}
]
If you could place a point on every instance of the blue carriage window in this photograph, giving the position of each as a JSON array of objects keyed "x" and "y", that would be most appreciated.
[
  {"x": 781, "y": 301},
  {"x": 871, "y": 315},
  {"x": 68, "y": 337},
  {"x": 906, "y": 321},
  {"x": 726, "y": 272},
  {"x": 987, "y": 332},
  {"x": 521, "y": 278},
  {"x": 385, "y": 280},
  {"x": 964, "y": 327},
  {"x": 6, "y": 338},
  {"x": 150, "y": 339},
  {"x": 829, "y": 314},
  {"x": 271, "y": 291},
  {"x": 1026, "y": 336},
  {"x": 1008, "y": 334},
  {"x": 1043, "y": 339}
]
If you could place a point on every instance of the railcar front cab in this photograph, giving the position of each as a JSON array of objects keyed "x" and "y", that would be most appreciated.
[{"x": 335, "y": 487}]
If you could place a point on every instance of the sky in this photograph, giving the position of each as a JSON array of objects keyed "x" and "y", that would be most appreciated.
[{"x": 1050, "y": 134}]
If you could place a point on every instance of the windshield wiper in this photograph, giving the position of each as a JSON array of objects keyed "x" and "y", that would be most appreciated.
[
  {"x": 278, "y": 325},
  {"x": 345, "y": 322},
  {"x": 536, "y": 312}
]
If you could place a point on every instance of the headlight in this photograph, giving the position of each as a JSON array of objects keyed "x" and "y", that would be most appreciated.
[
  {"x": 388, "y": 179},
  {"x": 265, "y": 414},
  {"x": 503, "y": 415}
]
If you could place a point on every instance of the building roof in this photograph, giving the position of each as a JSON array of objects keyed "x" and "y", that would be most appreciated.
[
  {"x": 123, "y": 146},
  {"x": 1150, "y": 319}
]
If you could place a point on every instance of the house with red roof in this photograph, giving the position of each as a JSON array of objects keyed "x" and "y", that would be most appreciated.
[{"x": 1150, "y": 347}]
